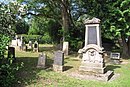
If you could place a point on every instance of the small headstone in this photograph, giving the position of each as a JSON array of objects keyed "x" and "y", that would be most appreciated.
[
  {"x": 65, "y": 48},
  {"x": 35, "y": 48},
  {"x": 30, "y": 45},
  {"x": 41, "y": 61},
  {"x": 25, "y": 48},
  {"x": 58, "y": 61},
  {"x": 14, "y": 43},
  {"x": 11, "y": 52},
  {"x": 115, "y": 58}
]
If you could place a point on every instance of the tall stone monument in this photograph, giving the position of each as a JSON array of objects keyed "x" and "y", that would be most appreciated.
[{"x": 92, "y": 60}]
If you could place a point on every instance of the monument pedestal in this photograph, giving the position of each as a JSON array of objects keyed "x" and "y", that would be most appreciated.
[
  {"x": 93, "y": 67},
  {"x": 92, "y": 60}
]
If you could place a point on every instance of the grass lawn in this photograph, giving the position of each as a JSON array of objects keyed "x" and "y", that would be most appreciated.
[{"x": 30, "y": 76}]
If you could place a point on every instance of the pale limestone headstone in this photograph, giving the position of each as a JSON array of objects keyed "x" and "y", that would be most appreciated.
[
  {"x": 30, "y": 45},
  {"x": 65, "y": 48},
  {"x": 41, "y": 61},
  {"x": 14, "y": 43},
  {"x": 92, "y": 59},
  {"x": 58, "y": 61}
]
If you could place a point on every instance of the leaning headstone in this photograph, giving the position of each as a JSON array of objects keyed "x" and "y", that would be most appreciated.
[
  {"x": 11, "y": 53},
  {"x": 65, "y": 48},
  {"x": 115, "y": 58},
  {"x": 36, "y": 47},
  {"x": 92, "y": 59},
  {"x": 41, "y": 61},
  {"x": 58, "y": 61}
]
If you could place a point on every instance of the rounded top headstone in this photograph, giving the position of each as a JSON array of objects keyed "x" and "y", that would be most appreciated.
[{"x": 92, "y": 21}]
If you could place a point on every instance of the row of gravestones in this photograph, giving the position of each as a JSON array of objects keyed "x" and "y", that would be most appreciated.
[
  {"x": 58, "y": 63},
  {"x": 22, "y": 46},
  {"x": 33, "y": 47}
]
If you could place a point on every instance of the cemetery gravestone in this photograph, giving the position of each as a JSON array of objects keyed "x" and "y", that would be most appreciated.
[
  {"x": 65, "y": 48},
  {"x": 92, "y": 59},
  {"x": 35, "y": 48},
  {"x": 58, "y": 61},
  {"x": 41, "y": 61},
  {"x": 115, "y": 58},
  {"x": 11, "y": 52},
  {"x": 30, "y": 45}
]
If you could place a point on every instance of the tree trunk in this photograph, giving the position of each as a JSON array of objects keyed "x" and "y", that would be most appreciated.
[
  {"x": 125, "y": 51},
  {"x": 128, "y": 43},
  {"x": 65, "y": 18}
]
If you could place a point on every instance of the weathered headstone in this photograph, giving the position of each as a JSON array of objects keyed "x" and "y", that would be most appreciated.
[
  {"x": 41, "y": 61},
  {"x": 115, "y": 58},
  {"x": 13, "y": 43},
  {"x": 25, "y": 47},
  {"x": 36, "y": 47},
  {"x": 30, "y": 45},
  {"x": 11, "y": 52},
  {"x": 58, "y": 61},
  {"x": 92, "y": 60},
  {"x": 65, "y": 48}
]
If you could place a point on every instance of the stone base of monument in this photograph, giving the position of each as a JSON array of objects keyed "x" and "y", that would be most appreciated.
[
  {"x": 57, "y": 68},
  {"x": 92, "y": 76},
  {"x": 115, "y": 61},
  {"x": 35, "y": 49},
  {"x": 97, "y": 71},
  {"x": 41, "y": 66},
  {"x": 95, "y": 67}
]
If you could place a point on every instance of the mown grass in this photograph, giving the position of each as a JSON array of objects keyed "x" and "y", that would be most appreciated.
[{"x": 30, "y": 76}]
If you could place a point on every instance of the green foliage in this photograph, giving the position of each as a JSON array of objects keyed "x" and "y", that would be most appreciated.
[
  {"x": 8, "y": 74},
  {"x": 41, "y": 39},
  {"x": 22, "y": 27},
  {"x": 3, "y": 43},
  {"x": 7, "y": 21},
  {"x": 46, "y": 39}
]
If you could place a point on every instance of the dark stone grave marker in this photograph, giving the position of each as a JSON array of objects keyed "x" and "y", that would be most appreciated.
[{"x": 58, "y": 61}]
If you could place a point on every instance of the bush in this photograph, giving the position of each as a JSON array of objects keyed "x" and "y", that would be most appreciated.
[{"x": 7, "y": 69}]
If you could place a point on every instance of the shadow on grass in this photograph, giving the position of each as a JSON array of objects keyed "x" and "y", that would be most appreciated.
[
  {"x": 112, "y": 67},
  {"x": 29, "y": 73},
  {"x": 41, "y": 49},
  {"x": 67, "y": 68}
]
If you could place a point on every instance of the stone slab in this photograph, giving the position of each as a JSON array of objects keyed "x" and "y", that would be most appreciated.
[
  {"x": 91, "y": 64},
  {"x": 41, "y": 61},
  {"x": 59, "y": 58},
  {"x": 92, "y": 69},
  {"x": 65, "y": 48},
  {"x": 92, "y": 76}
]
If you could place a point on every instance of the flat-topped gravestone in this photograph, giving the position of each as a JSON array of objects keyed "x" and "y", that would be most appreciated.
[
  {"x": 41, "y": 61},
  {"x": 92, "y": 59},
  {"x": 11, "y": 53},
  {"x": 36, "y": 47},
  {"x": 65, "y": 48},
  {"x": 30, "y": 45},
  {"x": 115, "y": 58},
  {"x": 58, "y": 61}
]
